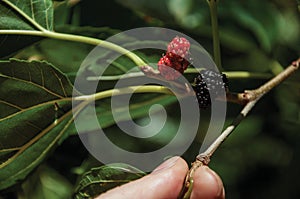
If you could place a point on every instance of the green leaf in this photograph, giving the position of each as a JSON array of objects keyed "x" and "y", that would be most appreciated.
[
  {"x": 35, "y": 113},
  {"x": 26, "y": 14},
  {"x": 47, "y": 183},
  {"x": 101, "y": 179},
  {"x": 263, "y": 23},
  {"x": 23, "y": 16}
]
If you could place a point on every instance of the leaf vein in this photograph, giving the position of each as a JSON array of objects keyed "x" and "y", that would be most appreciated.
[
  {"x": 34, "y": 107},
  {"x": 60, "y": 82},
  {"x": 11, "y": 104},
  {"x": 32, "y": 10},
  {"x": 49, "y": 146},
  {"x": 10, "y": 149},
  {"x": 34, "y": 84},
  {"x": 34, "y": 140}
]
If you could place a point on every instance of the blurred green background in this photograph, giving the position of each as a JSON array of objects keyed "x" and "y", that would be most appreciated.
[{"x": 261, "y": 159}]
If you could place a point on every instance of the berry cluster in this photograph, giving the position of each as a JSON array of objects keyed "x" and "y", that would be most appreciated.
[
  {"x": 209, "y": 85},
  {"x": 174, "y": 63}
]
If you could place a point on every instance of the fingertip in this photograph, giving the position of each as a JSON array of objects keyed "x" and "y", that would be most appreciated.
[
  {"x": 164, "y": 182},
  {"x": 207, "y": 184},
  {"x": 175, "y": 161},
  {"x": 172, "y": 172}
]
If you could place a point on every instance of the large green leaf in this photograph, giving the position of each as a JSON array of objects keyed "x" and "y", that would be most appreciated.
[
  {"x": 101, "y": 179},
  {"x": 19, "y": 16},
  {"x": 14, "y": 14},
  {"x": 35, "y": 112}
]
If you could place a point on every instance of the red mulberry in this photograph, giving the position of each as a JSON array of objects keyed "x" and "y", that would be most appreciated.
[
  {"x": 179, "y": 46},
  {"x": 174, "y": 63}
]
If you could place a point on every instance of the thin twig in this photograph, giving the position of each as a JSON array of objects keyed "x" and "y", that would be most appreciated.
[
  {"x": 253, "y": 96},
  {"x": 205, "y": 156}
]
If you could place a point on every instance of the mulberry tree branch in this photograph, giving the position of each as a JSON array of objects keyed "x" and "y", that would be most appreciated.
[{"x": 251, "y": 97}]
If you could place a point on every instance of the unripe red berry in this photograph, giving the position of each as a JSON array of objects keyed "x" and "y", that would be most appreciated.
[
  {"x": 167, "y": 68},
  {"x": 174, "y": 63},
  {"x": 179, "y": 46}
]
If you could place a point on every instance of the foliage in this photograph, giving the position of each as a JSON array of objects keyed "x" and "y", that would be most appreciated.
[
  {"x": 105, "y": 177},
  {"x": 39, "y": 146}
]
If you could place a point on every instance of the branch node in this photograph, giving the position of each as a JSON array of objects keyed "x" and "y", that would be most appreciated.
[
  {"x": 149, "y": 71},
  {"x": 296, "y": 63},
  {"x": 250, "y": 95},
  {"x": 203, "y": 158}
]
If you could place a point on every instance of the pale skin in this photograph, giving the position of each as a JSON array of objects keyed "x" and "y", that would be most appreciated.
[{"x": 166, "y": 181}]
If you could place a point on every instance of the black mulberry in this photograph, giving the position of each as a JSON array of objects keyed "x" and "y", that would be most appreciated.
[{"x": 209, "y": 85}]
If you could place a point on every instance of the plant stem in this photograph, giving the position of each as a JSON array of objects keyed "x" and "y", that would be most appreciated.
[
  {"x": 77, "y": 38},
  {"x": 124, "y": 91},
  {"x": 253, "y": 96},
  {"x": 236, "y": 74},
  {"x": 215, "y": 32},
  {"x": 212, "y": 148},
  {"x": 93, "y": 41},
  {"x": 230, "y": 75}
]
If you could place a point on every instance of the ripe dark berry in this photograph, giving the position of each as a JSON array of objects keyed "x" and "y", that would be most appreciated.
[
  {"x": 202, "y": 95},
  {"x": 209, "y": 85}
]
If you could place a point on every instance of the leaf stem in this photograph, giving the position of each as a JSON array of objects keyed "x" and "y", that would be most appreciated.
[
  {"x": 215, "y": 32},
  {"x": 78, "y": 38},
  {"x": 124, "y": 91},
  {"x": 93, "y": 41},
  {"x": 22, "y": 32},
  {"x": 236, "y": 74},
  {"x": 230, "y": 75}
]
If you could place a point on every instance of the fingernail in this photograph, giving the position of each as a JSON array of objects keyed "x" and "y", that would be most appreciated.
[{"x": 167, "y": 164}]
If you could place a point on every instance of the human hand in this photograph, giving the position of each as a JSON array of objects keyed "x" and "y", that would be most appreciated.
[{"x": 166, "y": 181}]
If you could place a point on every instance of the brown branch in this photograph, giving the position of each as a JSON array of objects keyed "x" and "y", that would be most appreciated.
[{"x": 251, "y": 97}]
